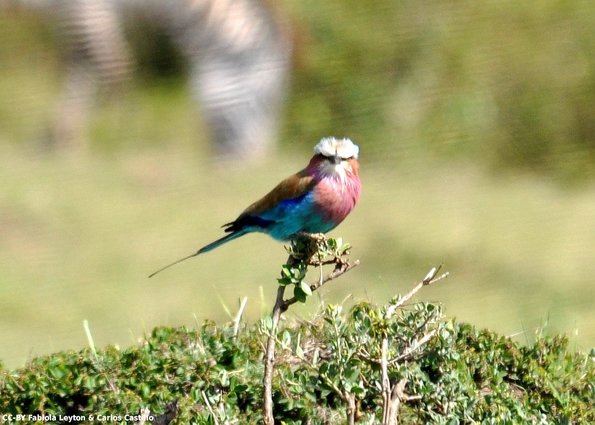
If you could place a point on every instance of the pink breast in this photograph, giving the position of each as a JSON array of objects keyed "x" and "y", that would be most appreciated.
[{"x": 336, "y": 198}]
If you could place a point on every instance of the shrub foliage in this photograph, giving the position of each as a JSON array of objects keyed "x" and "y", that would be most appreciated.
[
  {"x": 209, "y": 375},
  {"x": 367, "y": 364}
]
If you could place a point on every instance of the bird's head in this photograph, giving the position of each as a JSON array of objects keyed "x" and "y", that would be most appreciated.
[{"x": 336, "y": 157}]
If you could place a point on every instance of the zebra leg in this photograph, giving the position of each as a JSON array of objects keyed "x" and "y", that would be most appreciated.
[
  {"x": 71, "y": 110},
  {"x": 97, "y": 58},
  {"x": 239, "y": 59},
  {"x": 239, "y": 69}
]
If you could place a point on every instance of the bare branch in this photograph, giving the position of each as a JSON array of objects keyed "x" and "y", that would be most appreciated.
[
  {"x": 413, "y": 347},
  {"x": 397, "y": 395},
  {"x": 269, "y": 360},
  {"x": 393, "y": 394},
  {"x": 386, "y": 390},
  {"x": 428, "y": 280}
]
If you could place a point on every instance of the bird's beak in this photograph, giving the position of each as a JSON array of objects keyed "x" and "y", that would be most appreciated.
[{"x": 336, "y": 159}]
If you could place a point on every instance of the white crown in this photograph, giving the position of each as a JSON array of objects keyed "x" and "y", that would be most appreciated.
[{"x": 343, "y": 148}]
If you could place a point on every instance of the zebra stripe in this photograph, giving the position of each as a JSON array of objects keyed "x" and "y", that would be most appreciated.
[{"x": 238, "y": 52}]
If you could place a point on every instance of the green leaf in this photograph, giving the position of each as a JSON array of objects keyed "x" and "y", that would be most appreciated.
[
  {"x": 286, "y": 271},
  {"x": 305, "y": 287},
  {"x": 299, "y": 294},
  {"x": 357, "y": 390}
]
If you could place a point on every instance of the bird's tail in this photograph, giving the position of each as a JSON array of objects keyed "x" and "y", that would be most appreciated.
[
  {"x": 221, "y": 241},
  {"x": 204, "y": 249}
]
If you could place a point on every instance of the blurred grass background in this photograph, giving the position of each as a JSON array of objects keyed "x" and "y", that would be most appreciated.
[{"x": 476, "y": 122}]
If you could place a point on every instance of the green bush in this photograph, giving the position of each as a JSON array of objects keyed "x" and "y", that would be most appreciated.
[
  {"x": 209, "y": 375},
  {"x": 370, "y": 364}
]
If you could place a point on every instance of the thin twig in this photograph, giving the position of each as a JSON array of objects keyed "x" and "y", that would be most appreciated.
[
  {"x": 340, "y": 270},
  {"x": 428, "y": 280},
  {"x": 269, "y": 359},
  {"x": 385, "y": 381},
  {"x": 393, "y": 394},
  {"x": 211, "y": 411},
  {"x": 413, "y": 347}
]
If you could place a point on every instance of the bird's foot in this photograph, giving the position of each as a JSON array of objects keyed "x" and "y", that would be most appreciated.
[
  {"x": 318, "y": 237},
  {"x": 306, "y": 245}
]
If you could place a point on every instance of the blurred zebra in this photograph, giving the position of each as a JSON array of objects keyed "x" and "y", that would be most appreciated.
[{"x": 238, "y": 53}]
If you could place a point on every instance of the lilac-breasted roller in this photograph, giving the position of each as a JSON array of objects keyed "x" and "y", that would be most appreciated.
[{"x": 314, "y": 200}]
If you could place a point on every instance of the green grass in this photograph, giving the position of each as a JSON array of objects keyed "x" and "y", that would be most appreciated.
[{"x": 82, "y": 233}]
